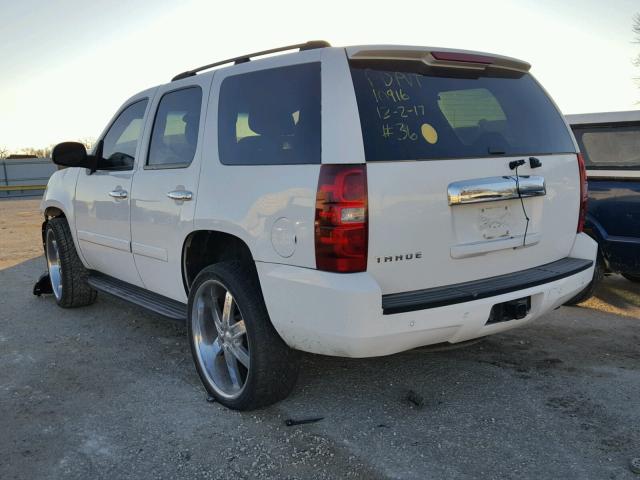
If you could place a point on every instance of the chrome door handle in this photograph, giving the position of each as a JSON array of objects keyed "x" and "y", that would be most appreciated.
[
  {"x": 118, "y": 194},
  {"x": 183, "y": 195}
]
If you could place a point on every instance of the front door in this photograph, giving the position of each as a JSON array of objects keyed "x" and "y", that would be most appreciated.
[
  {"x": 164, "y": 188},
  {"x": 102, "y": 203}
]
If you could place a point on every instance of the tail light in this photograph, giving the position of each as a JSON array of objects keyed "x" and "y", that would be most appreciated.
[
  {"x": 584, "y": 193},
  {"x": 341, "y": 225}
]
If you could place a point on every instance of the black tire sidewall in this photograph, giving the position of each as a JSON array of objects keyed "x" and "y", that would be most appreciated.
[
  {"x": 632, "y": 277},
  {"x": 76, "y": 292},
  {"x": 266, "y": 348}
]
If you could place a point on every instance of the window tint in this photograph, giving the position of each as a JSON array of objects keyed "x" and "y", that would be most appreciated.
[
  {"x": 270, "y": 117},
  {"x": 410, "y": 112},
  {"x": 175, "y": 129},
  {"x": 121, "y": 140},
  {"x": 610, "y": 146}
]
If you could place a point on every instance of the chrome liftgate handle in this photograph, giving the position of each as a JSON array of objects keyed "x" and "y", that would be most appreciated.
[{"x": 493, "y": 189}]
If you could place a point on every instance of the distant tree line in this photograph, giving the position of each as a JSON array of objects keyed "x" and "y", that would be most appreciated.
[{"x": 44, "y": 152}]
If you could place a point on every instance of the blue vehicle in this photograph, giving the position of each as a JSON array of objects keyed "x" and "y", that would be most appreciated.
[{"x": 610, "y": 144}]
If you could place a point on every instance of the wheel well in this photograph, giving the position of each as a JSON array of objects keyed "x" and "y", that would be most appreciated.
[
  {"x": 205, "y": 247},
  {"x": 52, "y": 212},
  {"x": 49, "y": 213}
]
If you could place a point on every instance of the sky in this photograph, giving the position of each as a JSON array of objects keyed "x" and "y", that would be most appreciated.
[{"x": 67, "y": 65}]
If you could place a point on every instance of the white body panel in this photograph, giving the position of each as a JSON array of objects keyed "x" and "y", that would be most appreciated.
[
  {"x": 103, "y": 224},
  {"x": 411, "y": 197},
  {"x": 272, "y": 209},
  {"x": 160, "y": 225},
  {"x": 603, "y": 117},
  {"x": 60, "y": 194},
  {"x": 341, "y": 315}
]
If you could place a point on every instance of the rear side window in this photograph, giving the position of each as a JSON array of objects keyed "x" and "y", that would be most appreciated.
[
  {"x": 121, "y": 140},
  {"x": 270, "y": 117},
  {"x": 413, "y": 112},
  {"x": 175, "y": 129},
  {"x": 610, "y": 146}
]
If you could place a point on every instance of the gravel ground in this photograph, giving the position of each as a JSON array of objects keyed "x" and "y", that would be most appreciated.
[{"x": 109, "y": 391}]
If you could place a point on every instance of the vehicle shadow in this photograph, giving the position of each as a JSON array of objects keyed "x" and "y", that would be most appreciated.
[{"x": 616, "y": 294}]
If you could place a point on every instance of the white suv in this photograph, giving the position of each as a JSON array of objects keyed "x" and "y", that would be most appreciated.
[{"x": 354, "y": 201}]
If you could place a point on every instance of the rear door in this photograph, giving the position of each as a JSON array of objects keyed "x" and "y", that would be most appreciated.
[
  {"x": 443, "y": 201},
  {"x": 165, "y": 185}
]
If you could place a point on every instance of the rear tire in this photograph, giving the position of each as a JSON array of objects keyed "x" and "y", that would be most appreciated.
[
  {"x": 240, "y": 358},
  {"x": 631, "y": 277},
  {"x": 66, "y": 271},
  {"x": 587, "y": 292}
]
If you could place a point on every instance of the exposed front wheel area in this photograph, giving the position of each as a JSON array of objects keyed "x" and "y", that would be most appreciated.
[
  {"x": 67, "y": 273},
  {"x": 241, "y": 360},
  {"x": 53, "y": 263}
]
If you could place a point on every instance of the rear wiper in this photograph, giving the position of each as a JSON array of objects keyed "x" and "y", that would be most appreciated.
[{"x": 496, "y": 150}]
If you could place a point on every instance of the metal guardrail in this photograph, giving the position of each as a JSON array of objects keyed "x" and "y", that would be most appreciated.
[{"x": 24, "y": 177}]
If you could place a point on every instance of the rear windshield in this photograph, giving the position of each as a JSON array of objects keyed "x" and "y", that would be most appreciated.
[
  {"x": 614, "y": 146},
  {"x": 421, "y": 113}
]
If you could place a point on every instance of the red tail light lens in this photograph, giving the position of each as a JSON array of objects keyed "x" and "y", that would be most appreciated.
[
  {"x": 584, "y": 193},
  {"x": 341, "y": 226},
  {"x": 462, "y": 57}
]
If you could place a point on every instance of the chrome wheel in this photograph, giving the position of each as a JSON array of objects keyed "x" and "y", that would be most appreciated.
[
  {"x": 53, "y": 264},
  {"x": 220, "y": 339}
]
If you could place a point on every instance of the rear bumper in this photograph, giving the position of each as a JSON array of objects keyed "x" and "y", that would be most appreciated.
[{"x": 342, "y": 315}]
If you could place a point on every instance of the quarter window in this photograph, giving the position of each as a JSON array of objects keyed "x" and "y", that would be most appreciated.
[
  {"x": 610, "y": 146},
  {"x": 270, "y": 117},
  {"x": 121, "y": 140},
  {"x": 175, "y": 129}
]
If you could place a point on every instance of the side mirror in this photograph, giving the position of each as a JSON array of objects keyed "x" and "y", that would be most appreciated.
[{"x": 73, "y": 154}]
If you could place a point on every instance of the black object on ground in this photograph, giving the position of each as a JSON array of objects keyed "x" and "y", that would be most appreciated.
[
  {"x": 43, "y": 285},
  {"x": 290, "y": 422},
  {"x": 415, "y": 398}
]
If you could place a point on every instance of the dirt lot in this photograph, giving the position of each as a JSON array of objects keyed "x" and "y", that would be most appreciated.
[{"x": 109, "y": 391}]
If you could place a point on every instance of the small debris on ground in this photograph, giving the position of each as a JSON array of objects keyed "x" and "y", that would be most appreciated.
[
  {"x": 415, "y": 398},
  {"x": 634, "y": 465},
  {"x": 211, "y": 399},
  {"x": 290, "y": 422}
]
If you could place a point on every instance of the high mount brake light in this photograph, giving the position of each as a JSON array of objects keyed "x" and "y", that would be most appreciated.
[
  {"x": 341, "y": 222},
  {"x": 584, "y": 193},
  {"x": 462, "y": 57}
]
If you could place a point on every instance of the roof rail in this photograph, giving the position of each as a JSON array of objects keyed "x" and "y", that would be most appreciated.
[{"x": 311, "y": 45}]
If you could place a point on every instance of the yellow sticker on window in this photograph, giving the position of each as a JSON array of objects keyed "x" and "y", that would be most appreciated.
[{"x": 429, "y": 133}]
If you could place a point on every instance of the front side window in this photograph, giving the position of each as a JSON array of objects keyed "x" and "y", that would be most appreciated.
[
  {"x": 610, "y": 146},
  {"x": 415, "y": 112},
  {"x": 175, "y": 129},
  {"x": 121, "y": 141},
  {"x": 270, "y": 117}
]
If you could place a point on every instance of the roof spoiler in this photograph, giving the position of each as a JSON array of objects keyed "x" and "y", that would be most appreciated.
[{"x": 445, "y": 58}]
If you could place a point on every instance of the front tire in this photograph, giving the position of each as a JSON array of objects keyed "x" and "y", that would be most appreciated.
[
  {"x": 67, "y": 273},
  {"x": 240, "y": 358}
]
